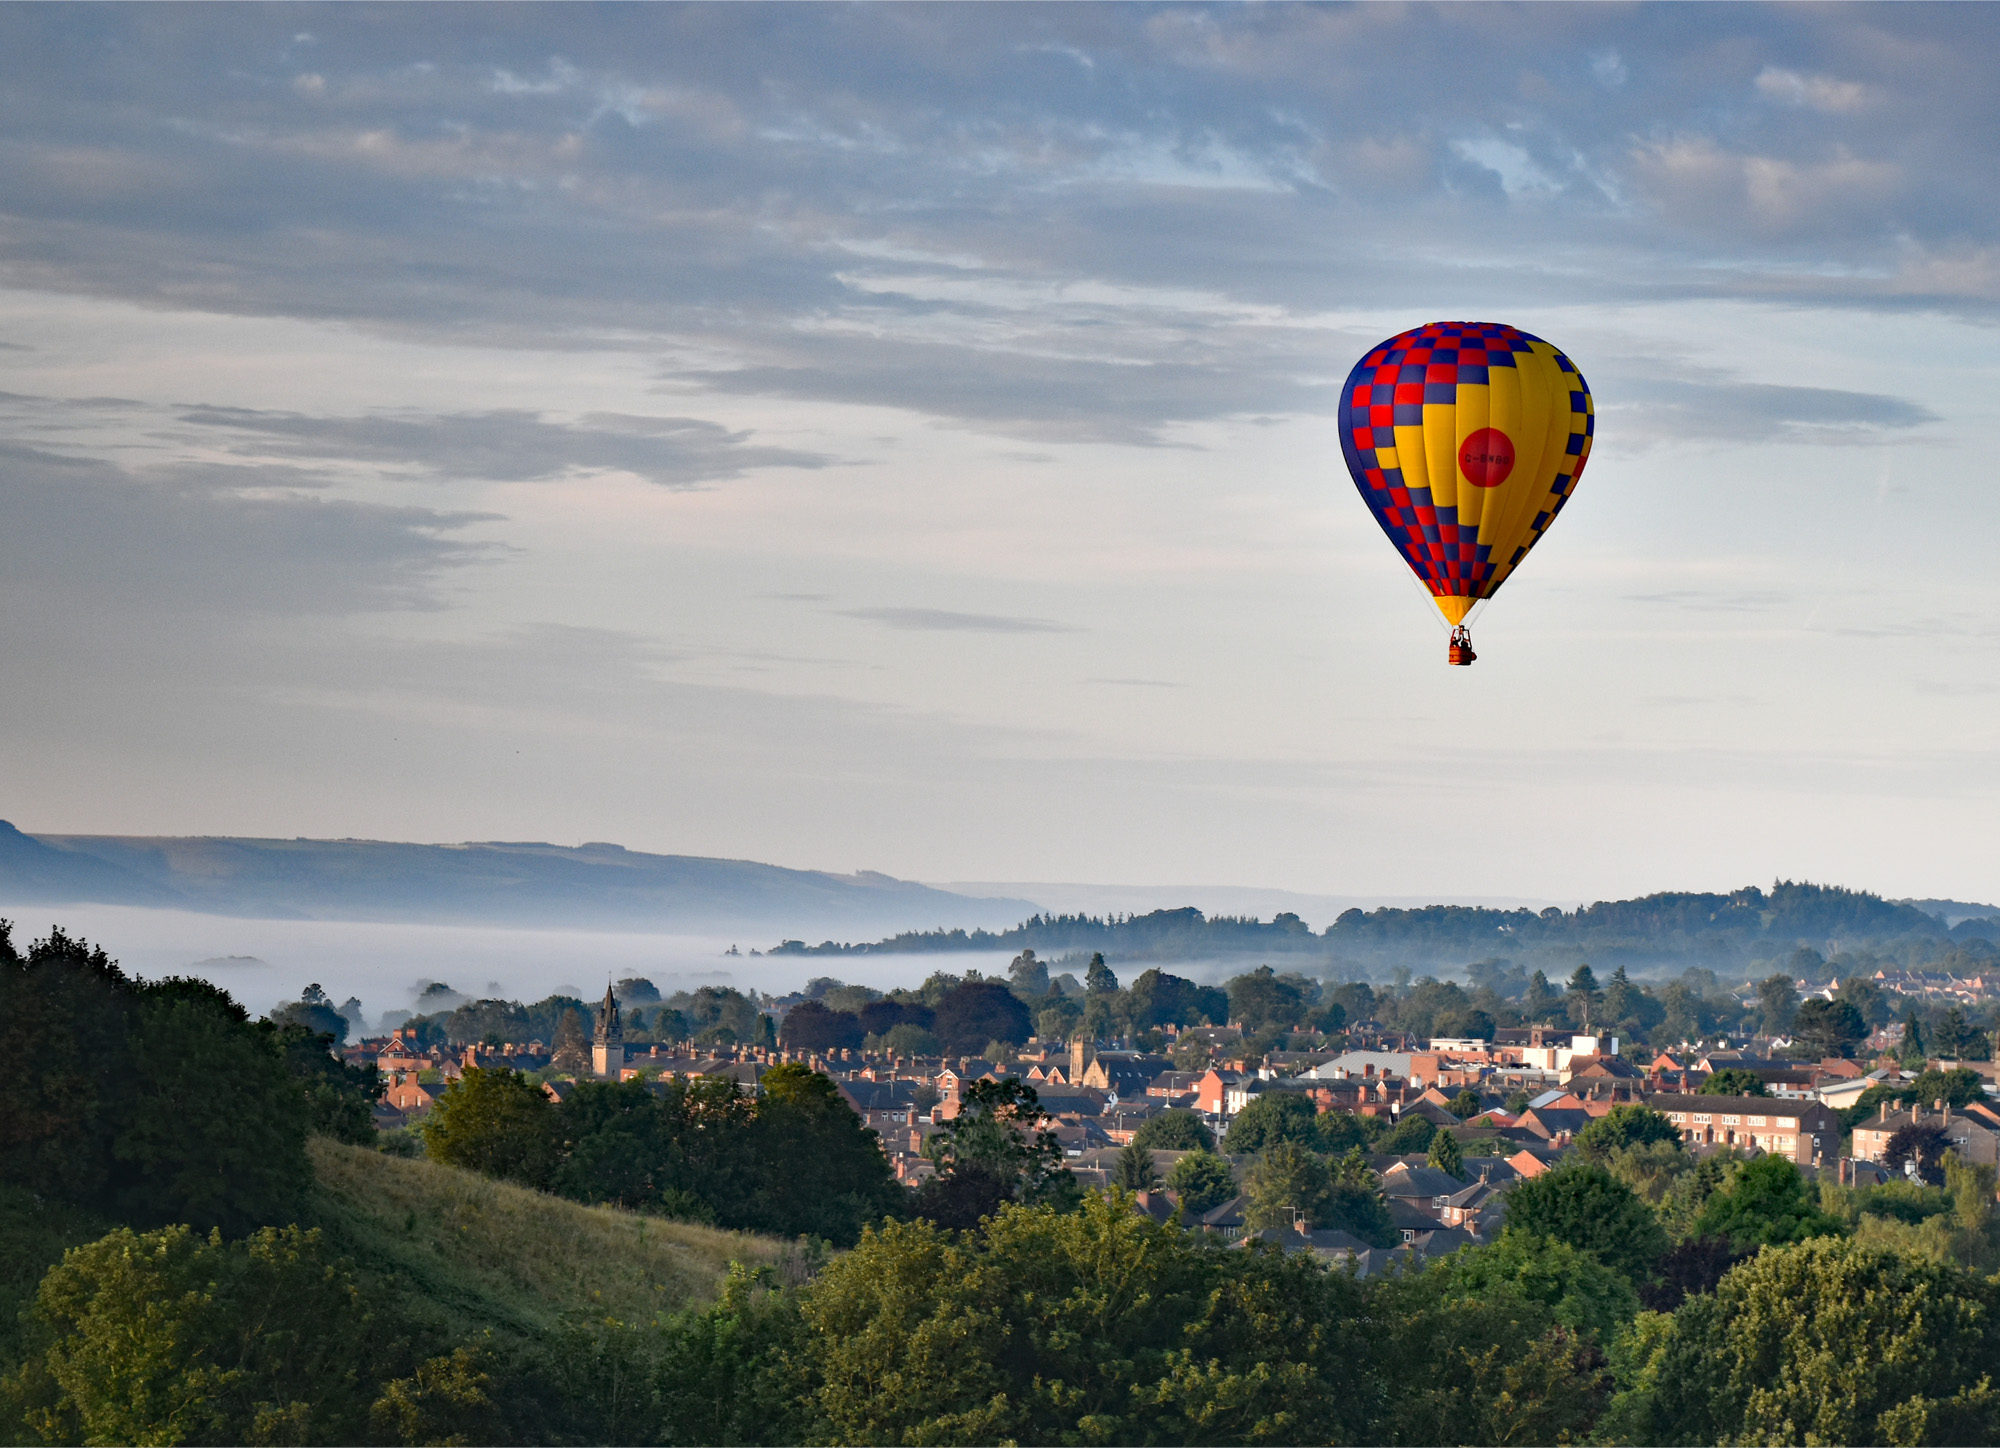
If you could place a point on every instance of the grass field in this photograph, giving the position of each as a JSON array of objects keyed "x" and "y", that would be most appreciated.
[
  {"x": 453, "y": 1251},
  {"x": 469, "y": 1253}
]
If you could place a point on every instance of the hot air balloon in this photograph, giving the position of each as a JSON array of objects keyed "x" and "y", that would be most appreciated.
[{"x": 1465, "y": 439}]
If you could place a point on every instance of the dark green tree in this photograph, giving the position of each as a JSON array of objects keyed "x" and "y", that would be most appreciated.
[
  {"x": 315, "y": 1012},
  {"x": 1828, "y": 1027},
  {"x": 1767, "y": 1203},
  {"x": 1263, "y": 999},
  {"x": 975, "y": 1012},
  {"x": 1175, "y": 1130},
  {"x": 1777, "y": 1003},
  {"x": 1466, "y": 1104},
  {"x": 1286, "y": 1182},
  {"x": 1825, "y": 1342},
  {"x": 821, "y": 1172},
  {"x": 1921, "y": 1144},
  {"x": 1413, "y": 1133},
  {"x": 1001, "y": 1134},
  {"x": 1270, "y": 1118},
  {"x": 1733, "y": 1081},
  {"x": 340, "y": 1099},
  {"x": 1584, "y": 1205},
  {"x": 1584, "y": 997},
  {"x": 190, "y": 1148},
  {"x": 1202, "y": 1181},
  {"x": 496, "y": 1122},
  {"x": 1624, "y": 1126},
  {"x": 1029, "y": 975},
  {"x": 1134, "y": 1169},
  {"x": 1446, "y": 1156}
]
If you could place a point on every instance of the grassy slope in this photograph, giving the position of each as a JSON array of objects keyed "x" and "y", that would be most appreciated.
[{"x": 467, "y": 1253}]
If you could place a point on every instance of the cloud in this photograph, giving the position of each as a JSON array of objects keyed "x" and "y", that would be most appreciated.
[
  {"x": 83, "y": 535},
  {"x": 1817, "y": 92},
  {"x": 939, "y": 620},
  {"x": 510, "y": 445},
  {"x": 1654, "y": 410}
]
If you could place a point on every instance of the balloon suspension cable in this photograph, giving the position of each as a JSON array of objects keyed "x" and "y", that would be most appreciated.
[{"x": 1460, "y": 651}]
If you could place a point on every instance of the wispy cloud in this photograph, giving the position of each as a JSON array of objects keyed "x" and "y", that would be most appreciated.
[
  {"x": 944, "y": 620},
  {"x": 511, "y": 446}
]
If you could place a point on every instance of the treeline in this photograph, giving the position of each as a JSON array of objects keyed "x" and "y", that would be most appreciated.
[
  {"x": 1092, "y": 1324},
  {"x": 793, "y": 1159},
  {"x": 161, "y": 1102},
  {"x": 1717, "y": 930}
]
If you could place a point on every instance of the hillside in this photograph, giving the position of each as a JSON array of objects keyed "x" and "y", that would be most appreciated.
[
  {"x": 470, "y": 1253},
  {"x": 495, "y": 883}
]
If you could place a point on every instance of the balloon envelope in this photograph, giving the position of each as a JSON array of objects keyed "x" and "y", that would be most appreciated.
[{"x": 1465, "y": 439}]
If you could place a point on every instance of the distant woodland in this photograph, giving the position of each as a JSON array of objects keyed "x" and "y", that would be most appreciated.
[{"x": 1846, "y": 929}]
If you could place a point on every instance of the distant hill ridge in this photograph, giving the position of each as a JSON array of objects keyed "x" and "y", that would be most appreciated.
[
  {"x": 1670, "y": 928},
  {"x": 523, "y": 883}
]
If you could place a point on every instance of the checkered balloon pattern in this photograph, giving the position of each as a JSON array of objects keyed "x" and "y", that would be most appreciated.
[{"x": 1465, "y": 439}]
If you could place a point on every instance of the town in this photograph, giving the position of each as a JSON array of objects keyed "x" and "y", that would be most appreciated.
[{"x": 1451, "y": 1123}]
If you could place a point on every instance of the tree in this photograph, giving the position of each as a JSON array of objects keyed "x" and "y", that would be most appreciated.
[
  {"x": 975, "y": 1012},
  {"x": 1159, "y": 999},
  {"x": 1270, "y": 1118},
  {"x": 821, "y": 1171},
  {"x": 1412, "y": 1133},
  {"x": 1767, "y": 1204},
  {"x": 1134, "y": 1169},
  {"x": 1690, "y": 1267},
  {"x": 1957, "y": 1039},
  {"x": 1028, "y": 975},
  {"x": 1539, "y": 1001},
  {"x": 1624, "y": 1126},
  {"x": 1580, "y": 1292},
  {"x": 1175, "y": 1130},
  {"x": 810, "y": 1026},
  {"x": 1825, "y": 1342},
  {"x": 1910, "y": 1050},
  {"x": 340, "y": 1099},
  {"x": 1918, "y": 1145},
  {"x": 1733, "y": 1081},
  {"x": 1202, "y": 1181},
  {"x": 909, "y": 1039},
  {"x": 315, "y": 1012},
  {"x": 1583, "y": 995},
  {"x": 1777, "y": 1003},
  {"x": 1960, "y": 1086},
  {"x": 158, "y": 1103},
  {"x": 1867, "y": 997},
  {"x": 1466, "y": 1104},
  {"x": 1286, "y": 1181},
  {"x": 189, "y": 1151},
  {"x": 1828, "y": 1027},
  {"x": 65, "y": 1010},
  {"x": 1263, "y": 999},
  {"x": 172, "y": 1337},
  {"x": 1097, "y": 977},
  {"x": 572, "y": 1047},
  {"x": 1446, "y": 1156},
  {"x": 497, "y": 1122},
  {"x": 999, "y": 1130},
  {"x": 1137, "y": 1331},
  {"x": 1584, "y": 1205}
]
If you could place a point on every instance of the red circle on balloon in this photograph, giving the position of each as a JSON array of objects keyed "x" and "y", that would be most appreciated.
[{"x": 1486, "y": 457}]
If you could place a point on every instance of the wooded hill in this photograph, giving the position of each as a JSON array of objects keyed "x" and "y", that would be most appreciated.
[{"x": 1670, "y": 930}]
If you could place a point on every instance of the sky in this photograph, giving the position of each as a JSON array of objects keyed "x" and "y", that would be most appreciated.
[{"x": 902, "y": 437}]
